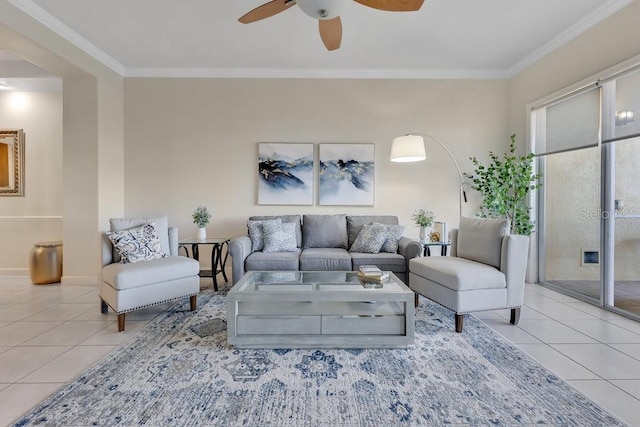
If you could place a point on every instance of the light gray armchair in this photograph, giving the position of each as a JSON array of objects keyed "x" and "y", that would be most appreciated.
[
  {"x": 128, "y": 287},
  {"x": 486, "y": 270}
]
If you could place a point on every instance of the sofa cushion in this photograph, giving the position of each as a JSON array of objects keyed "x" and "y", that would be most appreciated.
[
  {"x": 324, "y": 231},
  {"x": 393, "y": 236},
  {"x": 256, "y": 234},
  {"x": 162, "y": 228},
  {"x": 458, "y": 274},
  {"x": 128, "y": 276},
  {"x": 355, "y": 222},
  {"x": 296, "y": 219},
  {"x": 137, "y": 244},
  {"x": 279, "y": 237},
  {"x": 480, "y": 239},
  {"x": 370, "y": 239},
  {"x": 272, "y": 261},
  {"x": 325, "y": 259},
  {"x": 385, "y": 261}
]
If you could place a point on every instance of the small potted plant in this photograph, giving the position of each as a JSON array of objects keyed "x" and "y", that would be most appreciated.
[
  {"x": 423, "y": 219},
  {"x": 201, "y": 217}
]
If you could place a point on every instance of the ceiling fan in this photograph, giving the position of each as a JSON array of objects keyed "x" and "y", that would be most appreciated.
[{"x": 328, "y": 13}]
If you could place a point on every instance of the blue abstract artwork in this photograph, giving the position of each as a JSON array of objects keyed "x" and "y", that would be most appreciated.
[
  {"x": 285, "y": 174},
  {"x": 347, "y": 174}
]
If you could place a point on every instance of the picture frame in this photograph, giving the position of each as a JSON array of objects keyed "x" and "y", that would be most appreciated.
[
  {"x": 286, "y": 173},
  {"x": 12, "y": 162},
  {"x": 346, "y": 175}
]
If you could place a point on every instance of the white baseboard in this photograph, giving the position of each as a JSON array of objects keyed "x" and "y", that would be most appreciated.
[
  {"x": 14, "y": 271},
  {"x": 79, "y": 280}
]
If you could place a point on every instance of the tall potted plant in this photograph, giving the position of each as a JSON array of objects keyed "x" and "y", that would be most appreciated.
[{"x": 504, "y": 185}]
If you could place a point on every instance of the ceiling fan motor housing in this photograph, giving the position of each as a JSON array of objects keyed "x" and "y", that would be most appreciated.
[{"x": 324, "y": 9}]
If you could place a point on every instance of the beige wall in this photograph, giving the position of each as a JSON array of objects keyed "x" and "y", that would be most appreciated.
[
  {"x": 194, "y": 141},
  {"x": 37, "y": 216},
  {"x": 93, "y": 137}
]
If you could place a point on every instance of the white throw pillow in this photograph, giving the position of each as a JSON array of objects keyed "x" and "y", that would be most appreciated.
[
  {"x": 279, "y": 237},
  {"x": 137, "y": 244}
]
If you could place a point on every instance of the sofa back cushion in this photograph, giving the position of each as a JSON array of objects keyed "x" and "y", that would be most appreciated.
[
  {"x": 296, "y": 219},
  {"x": 355, "y": 223},
  {"x": 324, "y": 231},
  {"x": 480, "y": 239}
]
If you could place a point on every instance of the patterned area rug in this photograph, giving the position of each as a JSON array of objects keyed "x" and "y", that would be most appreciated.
[{"x": 180, "y": 371}]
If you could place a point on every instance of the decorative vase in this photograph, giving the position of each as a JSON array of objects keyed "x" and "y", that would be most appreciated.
[
  {"x": 202, "y": 233},
  {"x": 423, "y": 234}
]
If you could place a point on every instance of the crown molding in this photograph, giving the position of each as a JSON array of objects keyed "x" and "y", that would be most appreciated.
[
  {"x": 595, "y": 17},
  {"x": 55, "y": 25},
  {"x": 282, "y": 73}
]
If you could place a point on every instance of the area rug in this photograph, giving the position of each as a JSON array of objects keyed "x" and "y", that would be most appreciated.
[{"x": 179, "y": 371}]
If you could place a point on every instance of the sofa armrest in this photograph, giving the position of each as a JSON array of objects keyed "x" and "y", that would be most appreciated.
[
  {"x": 239, "y": 249},
  {"x": 513, "y": 263},
  {"x": 409, "y": 248},
  {"x": 106, "y": 249}
]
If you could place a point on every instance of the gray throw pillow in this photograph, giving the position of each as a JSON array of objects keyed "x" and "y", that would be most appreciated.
[
  {"x": 394, "y": 234},
  {"x": 370, "y": 239},
  {"x": 279, "y": 237},
  {"x": 256, "y": 233}
]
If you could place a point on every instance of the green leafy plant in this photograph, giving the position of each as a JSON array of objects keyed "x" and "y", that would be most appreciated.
[
  {"x": 201, "y": 216},
  {"x": 422, "y": 217},
  {"x": 504, "y": 185}
]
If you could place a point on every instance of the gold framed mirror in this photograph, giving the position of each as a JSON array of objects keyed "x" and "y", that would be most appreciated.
[{"x": 11, "y": 162}]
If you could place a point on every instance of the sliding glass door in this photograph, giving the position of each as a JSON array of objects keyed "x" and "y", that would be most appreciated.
[{"x": 589, "y": 205}]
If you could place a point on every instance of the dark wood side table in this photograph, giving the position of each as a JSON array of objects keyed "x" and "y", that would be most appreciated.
[
  {"x": 428, "y": 245},
  {"x": 218, "y": 262}
]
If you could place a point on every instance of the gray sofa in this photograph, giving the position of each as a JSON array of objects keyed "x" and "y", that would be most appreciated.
[{"x": 322, "y": 244}]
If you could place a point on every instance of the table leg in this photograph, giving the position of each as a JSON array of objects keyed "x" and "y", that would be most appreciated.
[
  {"x": 196, "y": 251},
  {"x": 215, "y": 259},
  {"x": 443, "y": 250},
  {"x": 427, "y": 251},
  {"x": 224, "y": 262},
  {"x": 185, "y": 249}
]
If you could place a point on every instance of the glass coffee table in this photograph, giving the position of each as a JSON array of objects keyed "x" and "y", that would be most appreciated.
[{"x": 293, "y": 309}]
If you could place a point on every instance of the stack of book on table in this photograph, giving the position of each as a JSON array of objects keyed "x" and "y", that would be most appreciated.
[{"x": 372, "y": 274}]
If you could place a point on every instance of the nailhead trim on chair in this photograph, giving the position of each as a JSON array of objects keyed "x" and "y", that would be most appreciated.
[
  {"x": 151, "y": 305},
  {"x": 474, "y": 311}
]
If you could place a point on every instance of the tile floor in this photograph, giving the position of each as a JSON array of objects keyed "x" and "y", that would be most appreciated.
[{"x": 49, "y": 334}]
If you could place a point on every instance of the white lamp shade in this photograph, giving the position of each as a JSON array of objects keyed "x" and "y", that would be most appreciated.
[
  {"x": 323, "y": 9},
  {"x": 408, "y": 148}
]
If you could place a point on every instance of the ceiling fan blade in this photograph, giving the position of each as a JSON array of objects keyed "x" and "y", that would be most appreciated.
[
  {"x": 331, "y": 32},
  {"x": 266, "y": 10},
  {"x": 393, "y": 5}
]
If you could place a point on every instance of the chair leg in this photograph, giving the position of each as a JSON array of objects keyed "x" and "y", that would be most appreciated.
[
  {"x": 459, "y": 320},
  {"x": 515, "y": 316},
  {"x": 416, "y": 300},
  {"x": 120, "y": 322},
  {"x": 193, "y": 300},
  {"x": 104, "y": 308}
]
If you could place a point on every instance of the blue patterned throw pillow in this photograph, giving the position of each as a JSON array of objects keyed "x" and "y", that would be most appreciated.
[
  {"x": 370, "y": 239},
  {"x": 394, "y": 234},
  {"x": 279, "y": 237},
  {"x": 256, "y": 233},
  {"x": 137, "y": 244}
]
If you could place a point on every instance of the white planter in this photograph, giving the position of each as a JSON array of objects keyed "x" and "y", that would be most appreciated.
[{"x": 202, "y": 233}]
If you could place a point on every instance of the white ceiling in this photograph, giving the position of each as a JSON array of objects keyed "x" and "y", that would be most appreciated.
[{"x": 445, "y": 39}]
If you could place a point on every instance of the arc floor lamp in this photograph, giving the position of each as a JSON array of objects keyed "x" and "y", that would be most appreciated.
[{"x": 410, "y": 148}]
